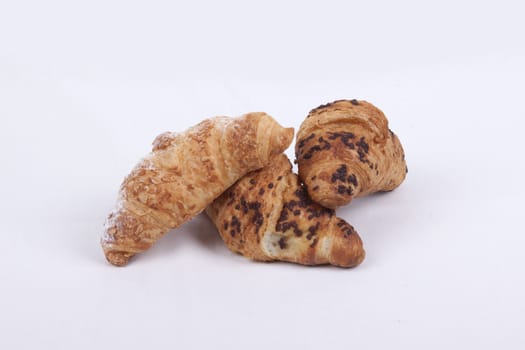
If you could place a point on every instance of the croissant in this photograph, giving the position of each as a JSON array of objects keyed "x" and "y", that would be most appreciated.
[
  {"x": 345, "y": 150},
  {"x": 267, "y": 216},
  {"x": 183, "y": 174}
]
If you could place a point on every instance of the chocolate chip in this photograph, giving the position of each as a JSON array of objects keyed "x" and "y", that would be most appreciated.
[
  {"x": 282, "y": 243},
  {"x": 235, "y": 222},
  {"x": 352, "y": 179},
  {"x": 344, "y": 136},
  {"x": 361, "y": 155},
  {"x": 290, "y": 205},
  {"x": 340, "y": 174},
  {"x": 283, "y": 217},
  {"x": 317, "y": 109},
  {"x": 346, "y": 228},
  {"x": 341, "y": 189},
  {"x": 304, "y": 141},
  {"x": 313, "y": 230},
  {"x": 244, "y": 205},
  {"x": 362, "y": 144},
  {"x": 324, "y": 145}
]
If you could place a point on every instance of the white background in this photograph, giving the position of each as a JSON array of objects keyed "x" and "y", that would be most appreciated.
[{"x": 86, "y": 86}]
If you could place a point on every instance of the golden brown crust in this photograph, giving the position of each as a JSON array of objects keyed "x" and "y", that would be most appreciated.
[
  {"x": 267, "y": 216},
  {"x": 183, "y": 174},
  {"x": 345, "y": 150}
]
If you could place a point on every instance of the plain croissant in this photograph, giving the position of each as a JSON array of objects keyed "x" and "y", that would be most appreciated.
[
  {"x": 267, "y": 215},
  {"x": 183, "y": 174},
  {"x": 345, "y": 150}
]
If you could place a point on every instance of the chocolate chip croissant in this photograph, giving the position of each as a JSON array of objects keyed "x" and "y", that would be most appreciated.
[
  {"x": 345, "y": 150},
  {"x": 267, "y": 216},
  {"x": 183, "y": 174}
]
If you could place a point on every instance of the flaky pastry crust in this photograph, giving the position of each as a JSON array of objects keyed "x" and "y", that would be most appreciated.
[
  {"x": 345, "y": 150},
  {"x": 183, "y": 174},
  {"x": 268, "y": 216}
]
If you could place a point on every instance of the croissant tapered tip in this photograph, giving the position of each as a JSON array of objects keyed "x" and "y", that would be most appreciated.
[
  {"x": 281, "y": 140},
  {"x": 289, "y": 133},
  {"x": 347, "y": 254},
  {"x": 347, "y": 247},
  {"x": 117, "y": 258}
]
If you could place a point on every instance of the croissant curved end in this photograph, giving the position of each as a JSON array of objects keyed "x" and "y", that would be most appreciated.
[
  {"x": 281, "y": 140},
  {"x": 118, "y": 258},
  {"x": 347, "y": 251}
]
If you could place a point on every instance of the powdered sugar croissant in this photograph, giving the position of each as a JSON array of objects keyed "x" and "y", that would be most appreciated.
[
  {"x": 267, "y": 216},
  {"x": 183, "y": 174},
  {"x": 345, "y": 150}
]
